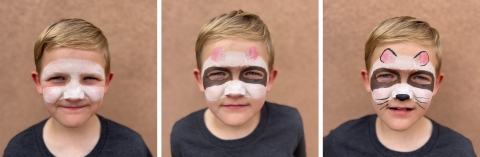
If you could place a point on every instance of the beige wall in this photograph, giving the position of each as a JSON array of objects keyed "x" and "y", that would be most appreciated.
[
  {"x": 347, "y": 25},
  {"x": 294, "y": 28},
  {"x": 131, "y": 31}
]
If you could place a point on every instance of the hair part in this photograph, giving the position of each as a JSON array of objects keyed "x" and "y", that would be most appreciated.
[
  {"x": 72, "y": 33},
  {"x": 237, "y": 25},
  {"x": 404, "y": 29}
]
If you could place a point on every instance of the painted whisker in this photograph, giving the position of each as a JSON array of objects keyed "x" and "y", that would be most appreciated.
[
  {"x": 384, "y": 106},
  {"x": 420, "y": 105}
]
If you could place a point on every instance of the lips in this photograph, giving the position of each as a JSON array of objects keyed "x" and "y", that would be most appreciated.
[
  {"x": 400, "y": 111},
  {"x": 73, "y": 107},
  {"x": 235, "y": 106}
]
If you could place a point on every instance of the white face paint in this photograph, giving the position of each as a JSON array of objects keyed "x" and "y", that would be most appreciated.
[
  {"x": 77, "y": 71},
  {"x": 233, "y": 59},
  {"x": 392, "y": 64}
]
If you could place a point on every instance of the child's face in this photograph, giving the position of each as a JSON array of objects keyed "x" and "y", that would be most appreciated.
[
  {"x": 402, "y": 81},
  {"x": 72, "y": 83},
  {"x": 235, "y": 79}
]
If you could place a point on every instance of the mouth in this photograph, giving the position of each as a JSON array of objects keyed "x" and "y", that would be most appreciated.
[
  {"x": 400, "y": 111},
  {"x": 73, "y": 108},
  {"x": 235, "y": 106}
]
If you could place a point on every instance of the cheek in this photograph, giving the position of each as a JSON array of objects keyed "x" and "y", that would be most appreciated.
[
  {"x": 94, "y": 93},
  {"x": 52, "y": 94},
  {"x": 213, "y": 93},
  {"x": 381, "y": 93},
  {"x": 256, "y": 91},
  {"x": 423, "y": 95}
]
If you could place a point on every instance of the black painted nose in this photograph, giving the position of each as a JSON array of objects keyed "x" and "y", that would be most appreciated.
[{"x": 402, "y": 97}]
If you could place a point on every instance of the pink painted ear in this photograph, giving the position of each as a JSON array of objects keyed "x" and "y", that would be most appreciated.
[
  {"x": 421, "y": 58},
  {"x": 252, "y": 53},
  {"x": 388, "y": 56},
  {"x": 217, "y": 54}
]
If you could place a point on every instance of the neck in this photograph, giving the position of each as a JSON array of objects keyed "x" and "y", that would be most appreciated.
[
  {"x": 66, "y": 141},
  {"x": 91, "y": 126},
  {"x": 227, "y": 132},
  {"x": 407, "y": 140}
]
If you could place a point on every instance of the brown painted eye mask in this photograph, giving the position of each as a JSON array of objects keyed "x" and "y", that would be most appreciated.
[
  {"x": 375, "y": 84},
  {"x": 207, "y": 82}
]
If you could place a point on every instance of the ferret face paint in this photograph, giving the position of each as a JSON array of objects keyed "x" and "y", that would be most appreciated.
[
  {"x": 402, "y": 77},
  {"x": 219, "y": 80},
  {"x": 74, "y": 79}
]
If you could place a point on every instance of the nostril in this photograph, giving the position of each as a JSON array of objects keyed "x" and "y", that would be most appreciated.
[{"x": 402, "y": 97}]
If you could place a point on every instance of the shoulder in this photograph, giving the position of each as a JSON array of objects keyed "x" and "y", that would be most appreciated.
[
  {"x": 184, "y": 126},
  {"x": 24, "y": 143},
  {"x": 282, "y": 111},
  {"x": 119, "y": 130},
  {"x": 188, "y": 121},
  {"x": 353, "y": 134},
  {"x": 355, "y": 125},
  {"x": 451, "y": 140},
  {"x": 121, "y": 138}
]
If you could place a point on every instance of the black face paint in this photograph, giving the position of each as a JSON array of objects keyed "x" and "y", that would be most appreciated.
[
  {"x": 262, "y": 81},
  {"x": 207, "y": 82},
  {"x": 422, "y": 86},
  {"x": 374, "y": 84}
]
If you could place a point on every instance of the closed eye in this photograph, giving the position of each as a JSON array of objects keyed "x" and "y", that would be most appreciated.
[
  {"x": 56, "y": 78},
  {"x": 91, "y": 78}
]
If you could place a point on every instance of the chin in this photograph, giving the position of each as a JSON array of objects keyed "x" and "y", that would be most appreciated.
[
  {"x": 72, "y": 121},
  {"x": 399, "y": 124},
  {"x": 235, "y": 119}
]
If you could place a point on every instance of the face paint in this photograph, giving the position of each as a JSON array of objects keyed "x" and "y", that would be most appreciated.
[
  {"x": 385, "y": 78},
  {"x": 77, "y": 71},
  {"x": 218, "y": 79}
]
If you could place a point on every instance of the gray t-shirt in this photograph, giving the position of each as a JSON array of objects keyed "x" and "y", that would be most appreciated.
[
  {"x": 279, "y": 134},
  {"x": 358, "y": 138},
  {"x": 115, "y": 140}
]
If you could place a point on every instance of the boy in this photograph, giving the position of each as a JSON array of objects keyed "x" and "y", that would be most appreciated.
[
  {"x": 403, "y": 56},
  {"x": 235, "y": 71},
  {"x": 73, "y": 73}
]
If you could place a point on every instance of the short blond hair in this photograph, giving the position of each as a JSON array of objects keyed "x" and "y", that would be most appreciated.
[
  {"x": 72, "y": 33},
  {"x": 400, "y": 29},
  {"x": 238, "y": 25}
]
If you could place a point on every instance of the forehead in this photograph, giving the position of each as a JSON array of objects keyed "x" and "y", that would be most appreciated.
[
  {"x": 234, "y": 45},
  {"x": 405, "y": 49},
  {"x": 71, "y": 53}
]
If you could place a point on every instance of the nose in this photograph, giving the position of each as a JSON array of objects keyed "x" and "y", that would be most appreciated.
[{"x": 402, "y": 97}]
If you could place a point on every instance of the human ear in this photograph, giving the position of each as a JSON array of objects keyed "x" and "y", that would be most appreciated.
[
  {"x": 366, "y": 80},
  {"x": 108, "y": 79},
  {"x": 36, "y": 80},
  {"x": 198, "y": 77},
  {"x": 271, "y": 79},
  {"x": 438, "y": 82}
]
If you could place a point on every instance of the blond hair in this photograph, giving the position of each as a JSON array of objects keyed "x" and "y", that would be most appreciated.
[
  {"x": 400, "y": 29},
  {"x": 72, "y": 33},
  {"x": 236, "y": 24}
]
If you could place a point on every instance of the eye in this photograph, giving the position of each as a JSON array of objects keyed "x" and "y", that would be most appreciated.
[
  {"x": 422, "y": 79},
  {"x": 56, "y": 78},
  {"x": 217, "y": 75},
  {"x": 253, "y": 74},
  {"x": 90, "y": 78},
  {"x": 386, "y": 77}
]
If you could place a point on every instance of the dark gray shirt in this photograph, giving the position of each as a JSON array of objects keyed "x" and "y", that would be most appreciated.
[
  {"x": 358, "y": 138},
  {"x": 115, "y": 140},
  {"x": 279, "y": 133}
]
